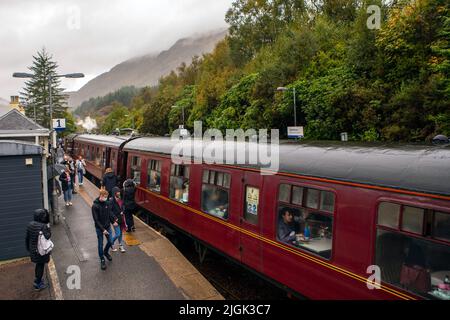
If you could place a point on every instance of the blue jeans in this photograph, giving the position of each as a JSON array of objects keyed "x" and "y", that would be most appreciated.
[
  {"x": 117, "y": 235},
  {"x": 80, "y": 177},
  {"x": 68, "y": 195},
  {"x": 100, "y": 236}
]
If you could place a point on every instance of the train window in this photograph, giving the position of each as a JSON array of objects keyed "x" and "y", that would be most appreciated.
[
  {"x": 136, "y": 169},
  {"x": 416, "y": 264},
  {"x": 412, "y": 219},
  {"x": 251, "y": 205},
  {"x": 389, "y": 214},
  {"x": 179, "y": 183},
  {"x": 284, "y": 193},
  {"x": 113, "y": 161},
  {"x": 312, "y": 198},
  {"x": 154, "y": 175},
  {"x": 301, "y": 223},
  {"x": 327, "y": 201},
  {"x": 205, "y": 176},
  {"x": 297, "y": 195},
  {"x": 98, "y": 158},
  {"x": 215, "y": 198},
  {"x": 441, "y": 226},
  {"x": 226, "y": 180}
]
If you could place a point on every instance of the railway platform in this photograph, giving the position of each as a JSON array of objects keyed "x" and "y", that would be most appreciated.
[{"x": 150, "y": 269}]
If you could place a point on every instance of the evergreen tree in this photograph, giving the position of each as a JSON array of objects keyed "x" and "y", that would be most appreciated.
[{"x": 36, "y": 91}]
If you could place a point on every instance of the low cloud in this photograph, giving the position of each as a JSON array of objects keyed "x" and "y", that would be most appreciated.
[{"x": 93, "y": 36}]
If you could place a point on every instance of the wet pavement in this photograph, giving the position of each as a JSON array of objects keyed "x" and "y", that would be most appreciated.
[
  {"x": 130, "y": 275},
  {"x": 16, "y": 282}
]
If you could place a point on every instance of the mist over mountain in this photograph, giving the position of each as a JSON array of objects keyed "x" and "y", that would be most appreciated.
[{"x": 146, "y": 70}]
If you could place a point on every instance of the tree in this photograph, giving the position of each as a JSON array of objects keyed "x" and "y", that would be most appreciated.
[
  {"x": 254, "y": 24},
  {"x": 36, "y": 91}
]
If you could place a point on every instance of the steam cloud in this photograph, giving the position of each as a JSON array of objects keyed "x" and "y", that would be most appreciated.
[{"x": 88, "y": 123}]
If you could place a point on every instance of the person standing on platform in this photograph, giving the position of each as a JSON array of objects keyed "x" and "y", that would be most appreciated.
[
  {"x": 71, "y": 165},
  {"x": 66, "y": 186},
  {"x": 117, "y": 210},
  {"x": 109, "y": 181},
  {"x": 81, "y": 169},
  {"x": 129, "y": 191},
  {"x": 103, "y": 218},
  {"x": 40, "y": 224}
]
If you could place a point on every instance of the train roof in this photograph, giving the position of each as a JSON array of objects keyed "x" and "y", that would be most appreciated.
[
  {"x": 113, "y": 141},
  {"x": 422, "y": 168}
]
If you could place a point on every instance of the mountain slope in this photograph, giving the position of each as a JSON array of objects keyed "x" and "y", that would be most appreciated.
[{"x": 146, "y": 70}]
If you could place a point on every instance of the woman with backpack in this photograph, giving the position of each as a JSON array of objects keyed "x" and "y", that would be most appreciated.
[{"x": 39, "y": 226}]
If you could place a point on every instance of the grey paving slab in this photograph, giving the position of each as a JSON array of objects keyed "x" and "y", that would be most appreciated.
[{"x": 131, "y": 275}]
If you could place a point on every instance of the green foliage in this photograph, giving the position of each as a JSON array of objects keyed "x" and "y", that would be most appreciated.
[
  {"x": 123, "y": 96},
  {"x": 115, "y": 119},
  {"x": 390, "y": 84}
]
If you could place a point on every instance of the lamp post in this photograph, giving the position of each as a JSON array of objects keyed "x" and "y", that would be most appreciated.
[
  {"x": 295, "y": 102},
  {"x": 52, "y": 132},
  {"x": 182, "y": 112}
]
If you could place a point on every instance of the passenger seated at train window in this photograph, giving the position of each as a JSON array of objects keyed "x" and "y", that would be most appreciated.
[
  {"x": 154, "y": 181},
  {"x": 287, "y": 226},
  {"x": 179, "y": 188},
  {"x": 215, "y": 201}
]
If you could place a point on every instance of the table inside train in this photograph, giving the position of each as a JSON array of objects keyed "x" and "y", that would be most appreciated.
[{"x": 318, "y": 245}]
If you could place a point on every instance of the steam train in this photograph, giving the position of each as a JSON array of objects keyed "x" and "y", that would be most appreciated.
[{"x": 335, "y": 221}]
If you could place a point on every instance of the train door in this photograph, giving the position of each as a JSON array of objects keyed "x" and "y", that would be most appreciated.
[
  {"x": 250, "y": 220},
  {"x": 107, "y": 158}
]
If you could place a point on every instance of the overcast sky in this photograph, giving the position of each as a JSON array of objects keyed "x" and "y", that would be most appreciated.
[{"x": 91, "y": 36}]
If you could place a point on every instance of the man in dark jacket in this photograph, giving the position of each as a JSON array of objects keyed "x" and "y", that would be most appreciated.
[
  {"x": 129, "y": 204},
  {"x": 103, "y": 217},
  {"x": 40, "y": 224},
  {"x": 286, "y": 227},
  {"x": 109, "y": 181}
]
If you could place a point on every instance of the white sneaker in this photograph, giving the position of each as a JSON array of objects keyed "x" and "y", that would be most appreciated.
[
  {"x": 113, "y": 249},
  {"x": 67, "y": 204},
  {"x": 122, "y": 249},
  {"x": 70, "y": 204}
]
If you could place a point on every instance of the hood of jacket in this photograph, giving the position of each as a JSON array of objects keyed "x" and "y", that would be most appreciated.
[
  {"x": 100, "y": 203},
  {"x": 109, "y": 175},
  {"x": 41, "y": 215},
  {"x": 115, "y": 189}
]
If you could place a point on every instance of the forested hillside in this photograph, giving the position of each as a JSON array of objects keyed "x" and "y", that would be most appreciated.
[{"x": 388, "y": 84}]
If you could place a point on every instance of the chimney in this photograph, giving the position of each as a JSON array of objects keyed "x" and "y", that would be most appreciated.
[{"x": 15, "y": 103}]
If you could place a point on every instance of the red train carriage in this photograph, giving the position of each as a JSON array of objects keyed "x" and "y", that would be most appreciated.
[
  {"x": 100, "y": 152},
  {"x": 346, "y": 208}
]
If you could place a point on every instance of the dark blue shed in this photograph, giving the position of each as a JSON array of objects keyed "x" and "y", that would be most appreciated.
[{"x": 20, "y": 194}]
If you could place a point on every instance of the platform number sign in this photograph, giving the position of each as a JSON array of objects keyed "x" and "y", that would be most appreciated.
[{"x": 59, "y": 124}]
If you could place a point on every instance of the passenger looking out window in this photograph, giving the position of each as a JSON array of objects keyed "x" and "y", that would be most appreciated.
[
  {"x": 154, "y": 175},
  {"x": 305, "y": 218},
  {"x": 287, "y": 228},
  {"x": 179, "y": 183},
  {"x": 215, "y": 193},
  {"x": 136, "y": 169}
]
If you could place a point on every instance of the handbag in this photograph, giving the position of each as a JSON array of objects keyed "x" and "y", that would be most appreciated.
[
  {"x": 416, "y": 278},
  {"x": 124, "y": 223},
  {"x": 44, "y": 246}
]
